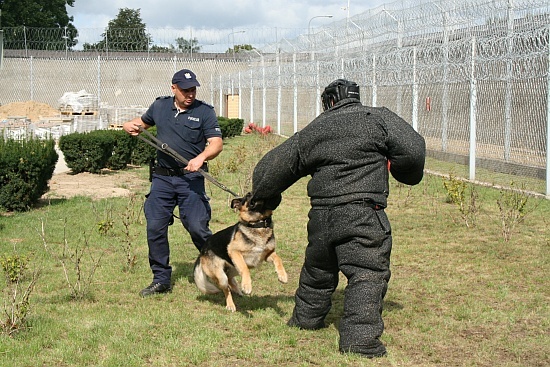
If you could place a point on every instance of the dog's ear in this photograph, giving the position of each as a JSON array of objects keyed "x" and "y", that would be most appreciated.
[{"x": 236, "y": 203}]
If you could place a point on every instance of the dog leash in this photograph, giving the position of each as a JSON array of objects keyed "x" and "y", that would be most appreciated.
[{"x": 163, "y": 147}]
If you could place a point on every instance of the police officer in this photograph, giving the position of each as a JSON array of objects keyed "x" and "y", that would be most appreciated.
[
  {"x": 347, "y": 150},
  {"x": 190, "y": 127}
]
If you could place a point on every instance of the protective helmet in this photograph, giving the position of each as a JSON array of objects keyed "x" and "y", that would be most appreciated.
[{"x": 338, "y": 90}]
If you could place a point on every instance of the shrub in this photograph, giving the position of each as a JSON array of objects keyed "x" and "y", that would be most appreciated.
[
  {"x": 114, "y": 149},
  {"x": 143, "y": 153},
  {"x": 124, "y": 145},
  {"x": 25, "y": 169},
  {"x": 87, "y": 152},
  {"x": 230, "y": 127},
  {"x": 14, "y": 267}
]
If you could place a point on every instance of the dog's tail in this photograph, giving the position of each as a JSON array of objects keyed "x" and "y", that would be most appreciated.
[{"x": 202, "y": 281}]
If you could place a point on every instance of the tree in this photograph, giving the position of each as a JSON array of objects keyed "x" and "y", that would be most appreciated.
[
  {"x": 237, "y": 48},
  {"x": 188, "y": 46},
  {"x": 163, "y": 49},
  {"x": 37, "y": 24},
  {"x": 126, "y": 32}
]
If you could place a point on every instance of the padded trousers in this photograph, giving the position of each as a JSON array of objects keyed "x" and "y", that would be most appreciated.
[{"x": 355, "y": 239}]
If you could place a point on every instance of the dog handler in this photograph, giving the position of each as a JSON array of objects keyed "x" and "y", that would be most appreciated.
[
  {"x": 347, "y": 150},
  {"x": 190, "y": 127}
]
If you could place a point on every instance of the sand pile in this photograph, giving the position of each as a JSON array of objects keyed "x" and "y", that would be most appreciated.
[{"x": 34, "y": 111}]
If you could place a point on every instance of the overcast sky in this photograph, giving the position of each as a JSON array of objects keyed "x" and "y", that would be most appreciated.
[
  {"x": 219, "y": 13},
  {"x": 217, "y": 24}
]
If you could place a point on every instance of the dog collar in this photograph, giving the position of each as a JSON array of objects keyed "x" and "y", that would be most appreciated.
[{"x": 266, "y": 223}]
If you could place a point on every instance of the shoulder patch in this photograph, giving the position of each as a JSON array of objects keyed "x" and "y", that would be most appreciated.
[
  {"x": 206, "y": 104},
  {"x": 164, "y": 97}
]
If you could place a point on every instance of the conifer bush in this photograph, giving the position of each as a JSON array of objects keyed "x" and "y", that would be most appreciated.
[{"x": 25, "y": 169}]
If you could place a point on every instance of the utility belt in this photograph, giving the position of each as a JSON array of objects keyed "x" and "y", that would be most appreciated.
[{"x": 170, "y": 171}]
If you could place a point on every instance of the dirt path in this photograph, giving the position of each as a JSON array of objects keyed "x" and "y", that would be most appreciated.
[{"x": 64, "y": 184}]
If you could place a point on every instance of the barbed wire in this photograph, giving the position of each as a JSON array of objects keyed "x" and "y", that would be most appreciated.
[{"x": 399, "y": 23}]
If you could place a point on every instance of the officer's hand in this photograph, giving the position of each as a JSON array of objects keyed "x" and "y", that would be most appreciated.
[
  {"x": 131, "y": 128},
  {"x": 194, "y": 164}
]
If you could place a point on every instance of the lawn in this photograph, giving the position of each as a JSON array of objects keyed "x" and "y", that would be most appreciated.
[{"x": 461, "y": 294}]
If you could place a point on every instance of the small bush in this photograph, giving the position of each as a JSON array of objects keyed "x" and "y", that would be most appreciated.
[
  {"x": 87, "y": 152},
  {"x": 465, "y": 197},
  {"x": 124, "y": 145},
  {"x": 16, "y": 303},
  {"x": 13, "y": 266},
  {"x": 230, "y": 127},
  {"x": 512, "y": 206},
  {"x": 25, "y": 169},
  {"x": 143, "y": 153}
]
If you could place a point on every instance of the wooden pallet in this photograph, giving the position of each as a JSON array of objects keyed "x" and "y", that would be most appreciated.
[
  {"x": 69, "y": 111},
  {"x": 83, "y": 113}
]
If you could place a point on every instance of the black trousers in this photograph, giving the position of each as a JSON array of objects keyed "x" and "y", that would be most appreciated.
[{"x": 356, "y": 240}]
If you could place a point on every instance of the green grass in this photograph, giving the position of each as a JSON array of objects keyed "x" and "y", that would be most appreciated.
[{"x": 458, "y": 296}]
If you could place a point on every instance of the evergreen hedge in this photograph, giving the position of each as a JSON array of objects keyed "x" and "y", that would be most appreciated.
[
  {"x": 25, "y": 169},
  {"x": 27, "y": 166},
  {"x": 123, "y": 148},
  {"x": 87, "y": 152},
  {"x": 143, "y": 153},
  {"x": 230, "y": 127}
]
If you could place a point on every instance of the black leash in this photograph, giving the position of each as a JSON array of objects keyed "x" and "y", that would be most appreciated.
[{"x": 157, "y": 144}]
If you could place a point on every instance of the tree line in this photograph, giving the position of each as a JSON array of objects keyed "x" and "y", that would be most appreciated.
[{"x": 24, "y": 21}]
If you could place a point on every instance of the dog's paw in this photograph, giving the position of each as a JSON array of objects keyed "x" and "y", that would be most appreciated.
[
  {"x": 283, "y": 277},
  {"x": 246, "y": 287},
  {"x": 231, "y": 308}
]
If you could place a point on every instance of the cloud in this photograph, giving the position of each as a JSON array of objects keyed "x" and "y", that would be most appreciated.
[
  {"x": 216, "y": 13},
  {"x": 213, "y": 21}
]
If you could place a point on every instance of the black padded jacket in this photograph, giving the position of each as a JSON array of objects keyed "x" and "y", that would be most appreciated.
[{"x": 345, "y": 150}]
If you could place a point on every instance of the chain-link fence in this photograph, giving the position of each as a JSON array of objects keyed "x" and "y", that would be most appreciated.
[{"x": 472, "y": 76}]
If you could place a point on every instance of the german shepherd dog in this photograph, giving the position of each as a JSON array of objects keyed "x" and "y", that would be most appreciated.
[{"x": 234, "y": 250}]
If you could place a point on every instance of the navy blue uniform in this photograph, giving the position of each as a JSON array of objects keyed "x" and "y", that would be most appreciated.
[
  {"x": 186, "y": 132},
  {"x": 345, "y": 150}
]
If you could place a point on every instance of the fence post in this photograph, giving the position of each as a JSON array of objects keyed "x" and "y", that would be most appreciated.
[
  {"x": 318, "y": 89},
  {"x": 473, "y": 112},
  {"x": 98, "y": 80},
  {"x": 1, "y": 45},
  {"x": 221, "y": 96},
  {"x": 279, "y": 95},
  {"x": 548, "y": 125},
  {"x": 374, "y": 87},
  {"x": 295, "y": 81},
  {"x": 212, "y": 87},
  {"x": 25, "y": 37},
  {"x": 264, "y": 92},
  {"x": 414, "y": 94},
  {"x": 32, "y": 79},
  {"x": 508, "y": 93},
  {"x": 240, "y": 99},
  {"x": 251, "y": 96}
]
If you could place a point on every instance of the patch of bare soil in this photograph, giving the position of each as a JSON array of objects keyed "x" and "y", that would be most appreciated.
[
  {"x": 34, "y": 111},
  {"x": 97, "y": 186}
]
